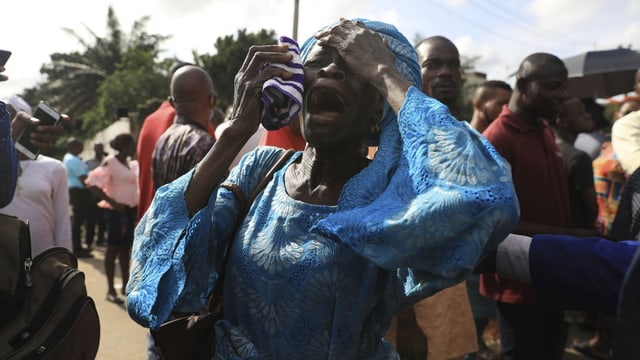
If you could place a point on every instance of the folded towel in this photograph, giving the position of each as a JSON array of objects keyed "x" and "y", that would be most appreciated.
[{"x": 282, "y": 99}]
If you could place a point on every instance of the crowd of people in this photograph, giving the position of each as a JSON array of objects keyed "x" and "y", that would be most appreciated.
[{"x": 397, "y": 230}]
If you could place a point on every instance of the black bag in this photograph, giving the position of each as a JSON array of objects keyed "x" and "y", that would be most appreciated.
[
  {"x": 46, "y": 313},
  {"x": 191, "y": 336}
]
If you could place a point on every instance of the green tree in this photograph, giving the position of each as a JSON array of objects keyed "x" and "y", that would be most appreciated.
[
  {"x": 135, "y": 81},
  {"x": 74, "y": 80},
  {"x": 228, "y": 59}
]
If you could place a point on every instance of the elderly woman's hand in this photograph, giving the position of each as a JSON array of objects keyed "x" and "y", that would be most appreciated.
[
  {"x": 249, "y": 80},
  {"x": 362, "y": 49},
  {"x": 369, "y": 58}
]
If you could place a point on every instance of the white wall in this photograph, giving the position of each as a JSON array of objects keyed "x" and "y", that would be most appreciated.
[{"x": 123, "y": 125}]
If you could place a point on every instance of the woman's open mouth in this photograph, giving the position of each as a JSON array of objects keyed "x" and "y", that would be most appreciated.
[{"x": 325, "y": 99}]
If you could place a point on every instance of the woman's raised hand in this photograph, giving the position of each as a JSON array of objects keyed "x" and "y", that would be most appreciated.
[
  {"x": 363, "y": 50},
  {"x": 369, "y": 57},
  {"x": 249, "y": 80}
]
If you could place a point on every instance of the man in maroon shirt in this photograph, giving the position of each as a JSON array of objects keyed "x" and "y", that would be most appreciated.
[{"x": 524, "y": 138}]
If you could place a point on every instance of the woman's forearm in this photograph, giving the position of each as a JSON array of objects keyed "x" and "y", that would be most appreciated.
[
  {"x": 392, "y": 85},
  {"x": 214, "y": 167}
]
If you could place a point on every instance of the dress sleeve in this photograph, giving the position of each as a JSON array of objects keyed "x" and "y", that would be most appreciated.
[
  {"x": 449, "y": 202},
  {"x": 99, "y": 176},
  {"x": 176, "y": 259}
]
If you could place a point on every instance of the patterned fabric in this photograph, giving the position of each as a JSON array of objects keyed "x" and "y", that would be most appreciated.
[
  {"x": 324, "y": 281},
  {"x": 9, "y": 162},
  {"x": 178, "y": 150},
  {"x": 282, "y": 99},
  {"x": 609, "y": 179}
]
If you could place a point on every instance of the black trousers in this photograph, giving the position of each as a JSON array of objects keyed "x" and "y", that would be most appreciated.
[
  {"x": 96, "y": 217},
  {"x": 81, "y": 206},
  {"x": 529, "y": 333}
]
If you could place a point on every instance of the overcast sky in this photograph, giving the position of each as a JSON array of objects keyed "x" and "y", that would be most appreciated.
[{"x": 500, "y": 32}]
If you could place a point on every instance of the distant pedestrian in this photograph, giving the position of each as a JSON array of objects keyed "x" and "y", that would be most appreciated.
[
  {"x": 79, "y": 195},
  {"x": 96, "y": 217},
  {"x": 116, "y": 182}
]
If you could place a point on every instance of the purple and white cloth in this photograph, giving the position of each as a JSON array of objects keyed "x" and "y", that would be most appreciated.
[{"x": 282, "y": 99}]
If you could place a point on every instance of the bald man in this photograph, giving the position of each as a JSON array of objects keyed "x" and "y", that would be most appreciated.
[{"x": 185, "y": 142}]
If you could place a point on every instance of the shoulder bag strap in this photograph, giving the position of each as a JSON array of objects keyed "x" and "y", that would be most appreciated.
[{"x": 216, "y": 295}]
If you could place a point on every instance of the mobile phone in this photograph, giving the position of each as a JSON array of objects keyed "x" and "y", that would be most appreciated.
[
  {"x": 48, "y": 116},
  {"x": 4, "y": 56}
]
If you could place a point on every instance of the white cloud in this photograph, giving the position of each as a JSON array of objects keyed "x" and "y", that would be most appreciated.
[{"x": 631, "y": 36}]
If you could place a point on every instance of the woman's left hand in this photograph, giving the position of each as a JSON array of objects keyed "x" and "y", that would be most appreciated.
[
  {"x": 364, "y": 51},
  {"x": 369, "y": 57}
]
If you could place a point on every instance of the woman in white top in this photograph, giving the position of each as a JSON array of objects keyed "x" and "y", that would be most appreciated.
[
  {"x": 42, "y": 198},
  {"x": 116, "y": 182}
]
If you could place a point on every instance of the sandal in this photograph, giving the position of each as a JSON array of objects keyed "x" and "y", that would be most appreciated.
[{"x": 114, "y": 299}]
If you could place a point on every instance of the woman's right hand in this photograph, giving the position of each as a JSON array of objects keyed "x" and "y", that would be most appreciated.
[
  {"x": 243, "y": 123},
  {"x": 255, "y": 70}
]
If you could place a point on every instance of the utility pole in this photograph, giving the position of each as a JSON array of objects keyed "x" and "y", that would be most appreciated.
[{"x": 295, "y": 19}]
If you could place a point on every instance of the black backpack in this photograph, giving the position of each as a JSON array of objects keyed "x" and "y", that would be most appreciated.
[{"x": 45, "y": 312}]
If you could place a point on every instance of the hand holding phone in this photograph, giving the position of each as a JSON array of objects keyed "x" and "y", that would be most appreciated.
[{"x": 48, "y": 116}]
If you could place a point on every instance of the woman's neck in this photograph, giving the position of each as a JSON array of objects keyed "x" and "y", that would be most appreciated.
[
  {"x": 319, "y": 177},
  {"x": 122, "y": 158}
]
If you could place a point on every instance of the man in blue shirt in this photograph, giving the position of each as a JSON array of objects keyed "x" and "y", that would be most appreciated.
[{"x": 79, "y": 195}]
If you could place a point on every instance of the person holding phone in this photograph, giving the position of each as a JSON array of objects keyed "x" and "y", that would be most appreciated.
[
  {"x": 12, "y": 124},
  {"x": 40, "y": 195}
]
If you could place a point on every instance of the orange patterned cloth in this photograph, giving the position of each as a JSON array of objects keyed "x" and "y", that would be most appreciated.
[{"x": 609, "y": 179}]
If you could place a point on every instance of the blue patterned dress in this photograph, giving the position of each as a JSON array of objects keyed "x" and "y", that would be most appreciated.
[{"x": 323, "y": 282}]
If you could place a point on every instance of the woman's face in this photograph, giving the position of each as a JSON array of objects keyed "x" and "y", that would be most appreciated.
[{"x": 338, "y": 107}]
